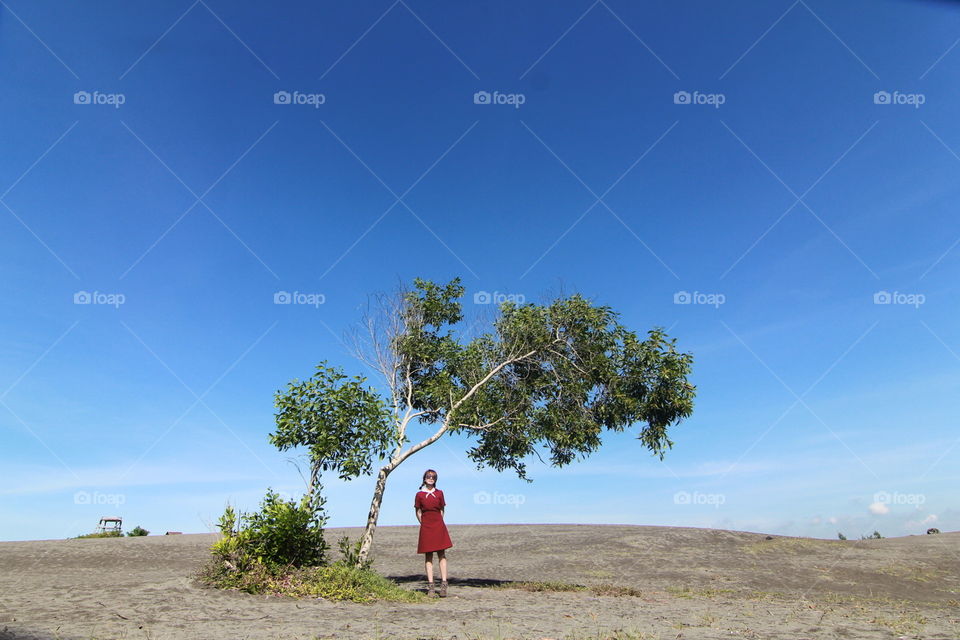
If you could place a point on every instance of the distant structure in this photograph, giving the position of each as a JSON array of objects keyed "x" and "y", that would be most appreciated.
[
  {"x": 173, "y": 533},
  {"x": 110, "y": 523}
]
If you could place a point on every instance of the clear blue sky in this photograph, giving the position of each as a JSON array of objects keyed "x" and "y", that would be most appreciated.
[{"x": 151, "y": 159}]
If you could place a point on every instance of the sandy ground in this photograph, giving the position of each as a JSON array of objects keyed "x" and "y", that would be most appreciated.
[{"x": 696, "y": 583}]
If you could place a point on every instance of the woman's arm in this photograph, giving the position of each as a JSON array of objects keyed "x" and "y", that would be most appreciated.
[{"x": 418, "y": 512}]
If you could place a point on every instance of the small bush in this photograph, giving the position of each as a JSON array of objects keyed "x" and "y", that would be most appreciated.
[
  {"x": 875, "y": 536},
  {"x": 138, "y": 531},
  {"x": 841, "y": 536},
  {"x": 281, "y": 534}
]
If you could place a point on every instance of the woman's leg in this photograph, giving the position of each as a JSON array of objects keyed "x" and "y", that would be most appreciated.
[
  {"x": 443, "y": 565},
  {"x": 428, "y": 565}
]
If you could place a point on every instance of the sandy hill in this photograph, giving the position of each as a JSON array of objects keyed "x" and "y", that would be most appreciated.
[{"x": 694, "y": 583}]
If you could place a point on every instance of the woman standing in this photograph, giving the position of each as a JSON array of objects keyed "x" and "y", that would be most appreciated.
[{"x": 429, "y": 505}]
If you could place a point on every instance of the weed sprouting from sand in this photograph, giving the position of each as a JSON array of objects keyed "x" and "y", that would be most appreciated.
[
  {"x": 687, "y": 592},
  {"x": 598, "y": 590},
  {"x": 916, "y": 573},
  {"x": 541, "y": 586},
  {"x": 905, "y": 623}
]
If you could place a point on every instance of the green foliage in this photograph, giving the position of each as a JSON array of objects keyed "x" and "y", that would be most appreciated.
[
  {"x": 102, "y": 534},
  {"x": 338, "y": 581},
  {"x": 281, "y": 534},
  {"x": 280, "y": 551},
  {"x": 552, "y": 376},
  {"x": 874, "y": 536},
  {"x": 841, "y": 536},
  {"x": 343, "y": 424},
  {"x": 137, "y": 531},
  {"x": 350, "y": 553}
]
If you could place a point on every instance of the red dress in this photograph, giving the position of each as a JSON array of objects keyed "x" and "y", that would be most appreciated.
[{"x": 433, "y": 533}]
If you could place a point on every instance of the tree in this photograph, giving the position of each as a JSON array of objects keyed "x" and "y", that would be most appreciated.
[{"x": 550, "y": 377}]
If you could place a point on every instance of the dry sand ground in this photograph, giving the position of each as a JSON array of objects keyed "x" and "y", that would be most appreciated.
[{"x": 696, "y": 583}]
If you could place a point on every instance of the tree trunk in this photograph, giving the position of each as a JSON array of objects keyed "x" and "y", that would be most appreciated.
[{"x": 367, "y": 539}]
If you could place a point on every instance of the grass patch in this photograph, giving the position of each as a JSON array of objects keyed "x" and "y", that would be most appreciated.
[
  {"x": 916, "y": 573},
  {"x": 598, "y": 590},
  {"x": 541, "y": 586},
  {"x": 791, "y": 545},
  {"x": 687, "y": 592},
  {"x": 102, "y": 534},
  {"x": 337, "y": 581},
  {"x": 905, "y": 623}
]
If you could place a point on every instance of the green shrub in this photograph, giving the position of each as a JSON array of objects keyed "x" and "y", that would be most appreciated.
[
  {"x": 281, "y": 534},
  {"x": 280, "y": 550},
  {"x": 137, "y": 531}
]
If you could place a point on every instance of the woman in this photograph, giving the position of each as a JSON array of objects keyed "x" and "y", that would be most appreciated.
[{"x": 428, "y": 505}]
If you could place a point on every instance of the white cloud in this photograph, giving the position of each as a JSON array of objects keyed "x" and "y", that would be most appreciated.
[{"x": 879, "y": 509}]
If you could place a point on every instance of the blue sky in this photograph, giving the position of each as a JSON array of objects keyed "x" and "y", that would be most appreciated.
[{"x": 774, "y": 182}]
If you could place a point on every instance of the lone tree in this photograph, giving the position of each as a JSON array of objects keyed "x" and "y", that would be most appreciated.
[{"x": 547, "y": 377}]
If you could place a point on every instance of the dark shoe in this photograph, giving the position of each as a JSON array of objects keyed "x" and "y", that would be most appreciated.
[
  {"x": 430, "y": 593},
  {"x": 443, "y": 589}
]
